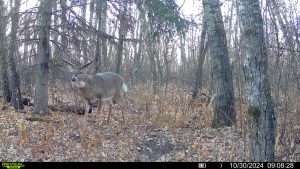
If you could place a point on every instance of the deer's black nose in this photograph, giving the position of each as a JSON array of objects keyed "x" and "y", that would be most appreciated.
[{"x": 73, "y": 79}]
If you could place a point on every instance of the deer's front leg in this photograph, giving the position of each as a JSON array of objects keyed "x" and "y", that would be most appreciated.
[
  {"x": 109, "y": 112},
  {"x": 99, "y": 105},
  {"x": 88, "y": 108}
]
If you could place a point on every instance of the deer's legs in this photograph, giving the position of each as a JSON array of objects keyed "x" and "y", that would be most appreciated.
[
  {"x": 123, "y": 114},
  {"x": 99, "y": 106},
  {"x": 88, "y": 108},
  {"x": 110, "y": 108},
  {"x": 118, "y": 99}
]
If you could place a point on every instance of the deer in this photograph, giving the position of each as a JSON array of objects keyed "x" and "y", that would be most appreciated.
[{"x": 97, "y": 88}]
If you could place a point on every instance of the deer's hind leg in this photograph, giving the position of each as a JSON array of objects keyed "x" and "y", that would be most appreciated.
[
  {"x": 99, "y": 105},
  {"x": 110, "y": 102},
  {"x": 116, "y": 99},
  {"x": 88, "y": 108}
]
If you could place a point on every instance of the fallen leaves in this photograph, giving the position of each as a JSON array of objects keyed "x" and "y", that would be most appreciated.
[{"x": 166, "y": 127}]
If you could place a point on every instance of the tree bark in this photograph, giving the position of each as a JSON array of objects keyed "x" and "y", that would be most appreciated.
[
  {"x": 224, "y": 110},
  {"x": 3, "y": 55},
  {"x": 41, "y": 90},
  {"x": 122, "y": 15},
  {"x": 64, "y": 41},
  {"x": 98, "y": 61},
  {"x": 257, "y": 87},
  {"x": 182, "y": 50},
  {"x": 15, "y": 81},
  {"x": 54, "y": 34},
  {"x": 201, "y": 57},
  {"x": 92, "y": 9},
  {"x": 104, "y": 38},
  {"x": 137, "y": 63},
  {"x": 84, "y": 42}
]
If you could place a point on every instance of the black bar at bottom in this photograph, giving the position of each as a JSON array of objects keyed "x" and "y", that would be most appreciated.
[{"x": 147, "y": 165}]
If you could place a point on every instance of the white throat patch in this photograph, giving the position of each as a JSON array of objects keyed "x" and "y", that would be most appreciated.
[
  {"x": 106, "y": 99},
  {"x": 80, "y": 84}
]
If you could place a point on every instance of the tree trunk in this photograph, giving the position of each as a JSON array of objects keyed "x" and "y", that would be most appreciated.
[
  {"x": 182, "y": 49},
  {"x": 98, "y": 49},
  {"x": 257, "y": 87},
  {"x": 15, "y": 81},
  {"x": 166, "y": 46},
  {"x": 201, "y": 57},
  {"x": 224, "y": 111},
  {"x": 92, "y": 9},
  {"x": 54, "y": 34},
  {"x": 41, "y": 90},
  {"x": 84, "y": 42},
  {"x": 64, "y": 41},
  {"x": 3, "y": 55},
  {"x": 157, "y": 58},
  {"x": 104, "y": 38},
  {"x": 291, "y": 44},
  {"x": 137, "y": 64},
  {"x": 26, "y": 41},
  {"x": 153, "y": 66},
  {"x": 122, "y": 16}
]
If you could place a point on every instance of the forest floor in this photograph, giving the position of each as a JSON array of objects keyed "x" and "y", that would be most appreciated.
[
  {"x": 67, "y": 137},
  {"x": 155, "y": 130}
]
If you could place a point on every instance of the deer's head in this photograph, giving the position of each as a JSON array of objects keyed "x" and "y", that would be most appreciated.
[{"x": 79, "y": 75}]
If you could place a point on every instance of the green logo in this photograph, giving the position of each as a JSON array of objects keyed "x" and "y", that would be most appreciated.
[{"x": 12, "y": 165}]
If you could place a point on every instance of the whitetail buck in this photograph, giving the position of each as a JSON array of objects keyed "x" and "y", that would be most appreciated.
[{"x": 105, "y": 86}]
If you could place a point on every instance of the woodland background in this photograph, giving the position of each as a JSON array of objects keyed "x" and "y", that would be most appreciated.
[{"x": 219, "y": 84}]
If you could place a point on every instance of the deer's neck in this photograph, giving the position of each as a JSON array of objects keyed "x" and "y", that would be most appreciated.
[{"x": 86, "y": 91}]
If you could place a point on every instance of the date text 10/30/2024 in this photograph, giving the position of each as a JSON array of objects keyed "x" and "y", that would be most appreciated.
[{"x": 262, "y": 165}]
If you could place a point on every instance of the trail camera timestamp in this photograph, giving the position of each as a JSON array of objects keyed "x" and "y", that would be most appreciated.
[
  {"x": 246, "y": 165},
  {"x": 262, "y": 165},
  {"x": 280, "y": 165}
]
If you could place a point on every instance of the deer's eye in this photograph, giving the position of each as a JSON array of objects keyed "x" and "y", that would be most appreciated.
[{"x": 80, "y": 73}]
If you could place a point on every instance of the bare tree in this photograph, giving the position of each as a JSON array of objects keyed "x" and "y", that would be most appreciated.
[
  {"x": 3, "y": 55},
  {"x": 15, "y": 81},
  {"x": 224, "y": 111},
  {"x": 137, "y": 63},
  {"x": 98, "y": 60},
  {"x": 41, "y": 87},
  {"x": 201, "y": 57},
  {"x": 101, "y": 44},
  {"x": 122, "y": 34},
  {"x": 257, "y": 87},
  {"x": 104, "y": 38}
]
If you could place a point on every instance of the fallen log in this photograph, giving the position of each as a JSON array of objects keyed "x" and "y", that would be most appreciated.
[{"x": 66, "y": 108}]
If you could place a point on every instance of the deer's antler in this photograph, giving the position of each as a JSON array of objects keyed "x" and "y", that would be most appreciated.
[
  {"x": 67, "y": 62},
  {"x": 91, "y": 61}
]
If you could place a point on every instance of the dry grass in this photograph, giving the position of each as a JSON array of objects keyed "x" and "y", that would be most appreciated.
[{"x": 164, "y": 127}]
